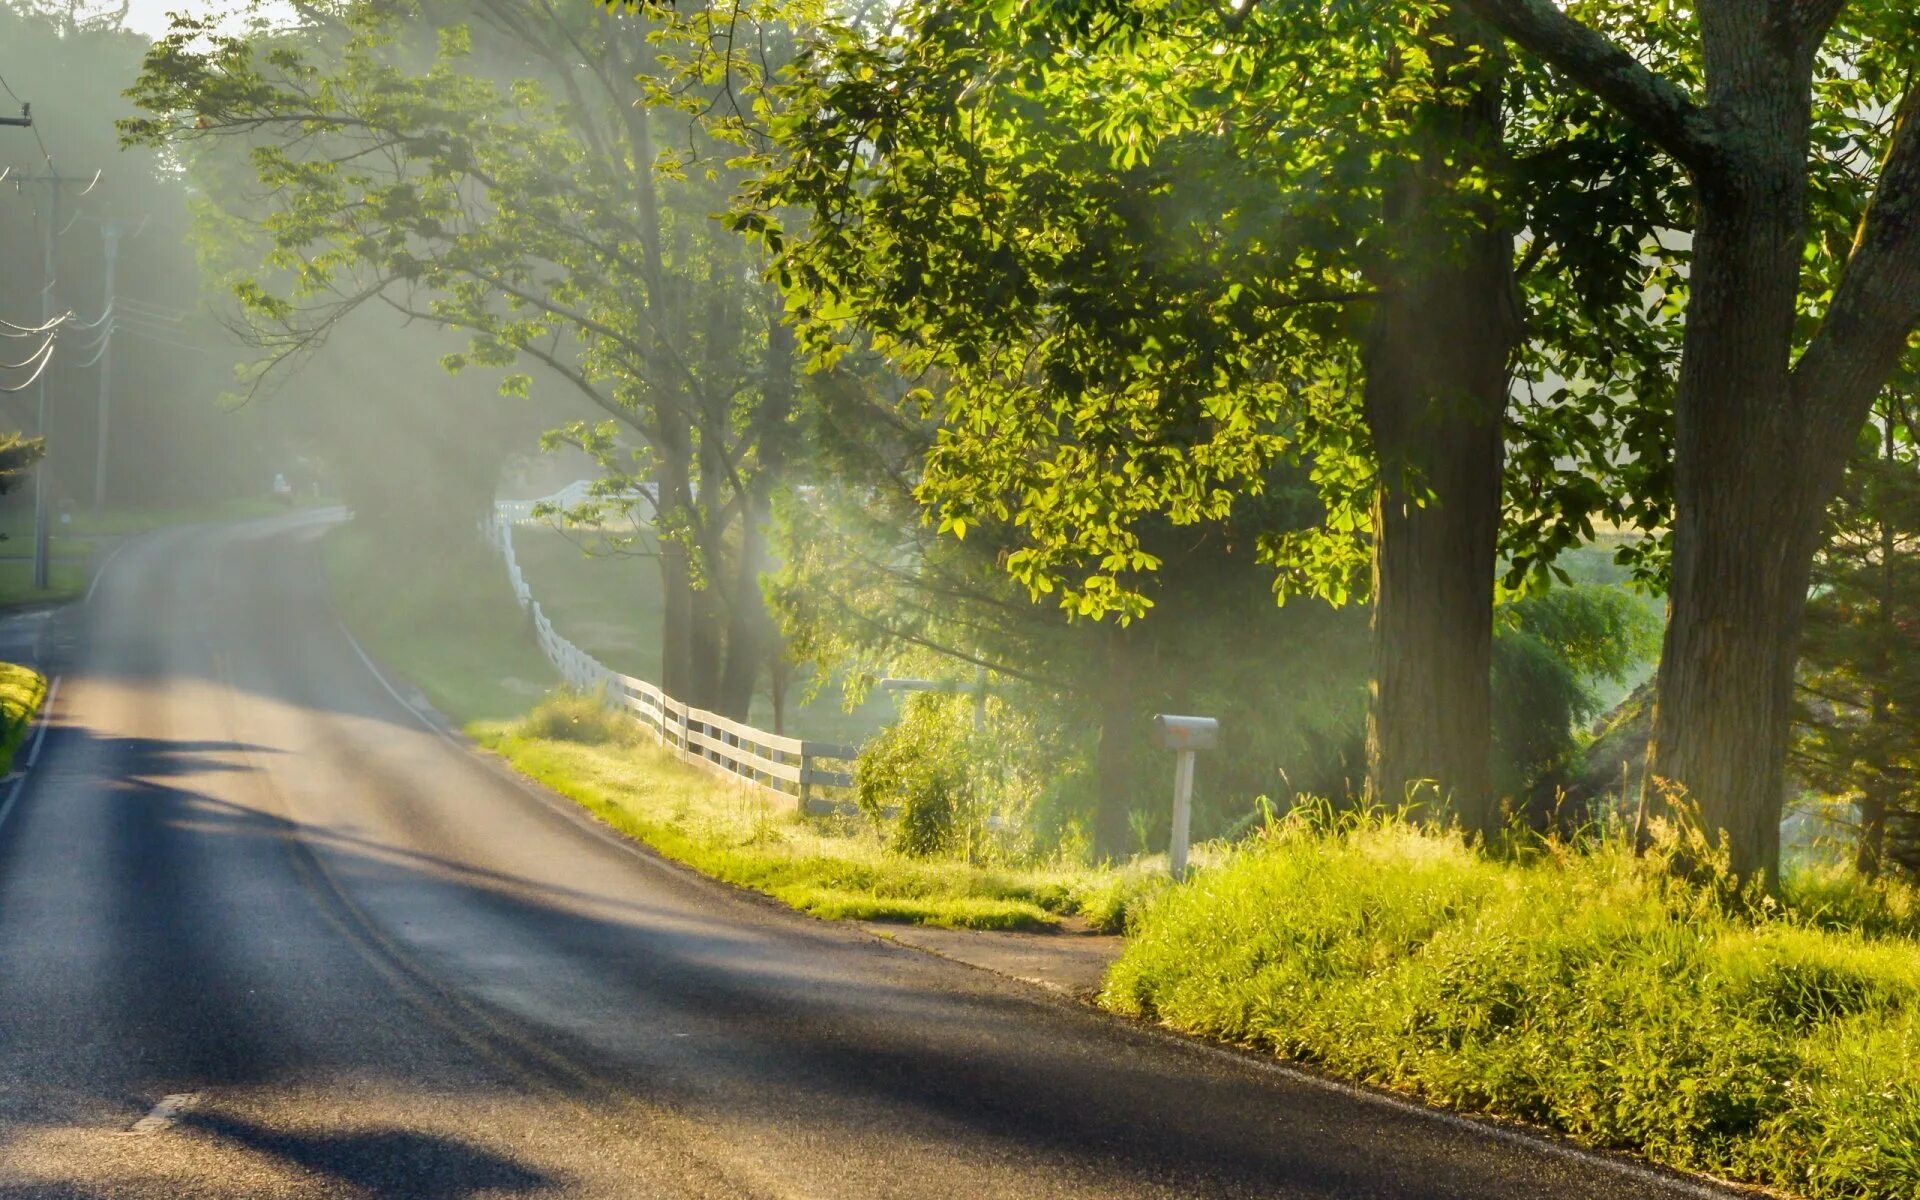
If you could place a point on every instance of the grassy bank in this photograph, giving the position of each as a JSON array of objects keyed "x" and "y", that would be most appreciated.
[
  {"x": 444, "y": 618},
  {"x": 443, "y": 615},
  {"x": 830, "y": 867},
  {"x": 21, "y": 691},
  {"x": 1592, "y": 994}
]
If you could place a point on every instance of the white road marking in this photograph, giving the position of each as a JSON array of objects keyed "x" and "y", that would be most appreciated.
[
  {"x": 381, "y": 678},
  {"x": 102, "y": 572},
  {"x": 20, "y": 777},
  {"x": 165, "y": 1113},
  {"x": 46, "y": 711},
  {"x": 13, "y": 797}
]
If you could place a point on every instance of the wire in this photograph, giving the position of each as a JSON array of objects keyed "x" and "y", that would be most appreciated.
[
  {"x": 99, "y": 354},
  {"x": 97, "y": 322},
  {"x": 30, "y": 330},
  {"x": 145, "y": 336},
  {"x": 35, "y": 127},
  {"x": 31, "y": 358},
  {"x": 35, "y": 376},
  {"x": 156, "y": 312}
]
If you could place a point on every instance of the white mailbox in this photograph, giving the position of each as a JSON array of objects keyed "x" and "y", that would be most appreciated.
[{"x": 1183, "y": 735}]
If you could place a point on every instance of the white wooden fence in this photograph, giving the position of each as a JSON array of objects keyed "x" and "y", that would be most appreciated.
[{"x": 793, "y": 769}]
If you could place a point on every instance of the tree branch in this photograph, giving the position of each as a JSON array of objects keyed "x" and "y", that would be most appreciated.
[
  {"x": 1876, "y": 305},
  {"x": 1662, "y": 110}
]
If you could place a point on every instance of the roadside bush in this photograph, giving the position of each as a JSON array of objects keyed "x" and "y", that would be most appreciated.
[
  {"x": 1593, "y": 993},
  {"x": 938, "y": 786},
  {"x": 572, "y": 716},
  {"x": 918, "y": 778}
]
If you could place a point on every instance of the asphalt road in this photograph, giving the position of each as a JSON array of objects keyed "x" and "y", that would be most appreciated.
[{"x": 374, "y": 965}]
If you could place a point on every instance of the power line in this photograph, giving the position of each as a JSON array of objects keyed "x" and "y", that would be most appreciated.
[
  {"x": 46, "y": 358},
  {"x": 9, "y": 329},
  {"x": 26, "y": 119},
  {"x": 31, "y": 358}
]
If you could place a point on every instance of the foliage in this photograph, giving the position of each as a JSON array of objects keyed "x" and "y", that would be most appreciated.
[
  {"x": 571, "y": 716},
  {"x": 513, "y": 173},
  {"x": 1859, "y": 720},
  {"x": 21, "y": 690},
  {"x": 924, "y": 777},
  {"x": 169, "y": 442},
  {"x": 1551, "y": 652},
  {"x": 1597, "y": 994},
  {"x": 1135, "y": 314},
  {"x": 838, "y": 874}
]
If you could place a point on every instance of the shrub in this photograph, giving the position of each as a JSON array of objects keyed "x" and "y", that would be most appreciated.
[
  {"x": 1594, "y": 993},
  {"x": 571, "y": 716},
  {"x": 921, "y": 778}
]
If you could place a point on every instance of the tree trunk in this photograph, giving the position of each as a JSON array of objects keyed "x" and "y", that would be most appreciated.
[
  {"x": 671, "y": 478},
  {"x": 750, "y": 632},
  {"x": 1437, "y": 380},
  {"x": 752, "y": 639},
  {"x": 1752, "y": 479}
]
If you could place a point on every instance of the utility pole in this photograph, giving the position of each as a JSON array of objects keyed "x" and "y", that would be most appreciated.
[
  {"x": 110, "y": 232},
  {"x": 41, "y": 484},
  {"x": 42, "y": 474},
  {"x": 23, "y": 121}
]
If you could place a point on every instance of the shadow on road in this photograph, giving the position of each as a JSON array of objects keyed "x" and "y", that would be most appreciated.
[{"x": 384, "y": 1164}]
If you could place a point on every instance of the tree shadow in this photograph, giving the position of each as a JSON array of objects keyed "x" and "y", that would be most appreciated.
[{"x": 384, "y": 1164}]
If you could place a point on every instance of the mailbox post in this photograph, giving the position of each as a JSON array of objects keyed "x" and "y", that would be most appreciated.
[{"x": 1183, "y": 735}]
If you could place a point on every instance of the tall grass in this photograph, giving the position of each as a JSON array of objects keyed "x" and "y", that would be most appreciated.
[
  {"x": 1596, "y": 993},
  {"x": 837, "y": 868}
]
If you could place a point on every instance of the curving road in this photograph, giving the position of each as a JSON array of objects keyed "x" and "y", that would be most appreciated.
[{"x": 264, "y": 934}]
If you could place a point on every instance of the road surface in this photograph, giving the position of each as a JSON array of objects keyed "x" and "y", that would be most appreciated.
[{"x": 262, "y": 933}]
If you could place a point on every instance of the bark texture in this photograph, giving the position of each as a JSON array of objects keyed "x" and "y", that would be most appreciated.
[
  {"x": 1761, "y": 440},
  {"x": 1436, "y": 364}
]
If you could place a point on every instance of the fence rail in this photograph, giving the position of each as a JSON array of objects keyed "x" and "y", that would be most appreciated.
[{"x": 793, "y": 769}]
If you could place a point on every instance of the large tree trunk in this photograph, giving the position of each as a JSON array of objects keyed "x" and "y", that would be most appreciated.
[
  {"x": 1752, "y": 477},
  {"x": 1437, "y": 379}
]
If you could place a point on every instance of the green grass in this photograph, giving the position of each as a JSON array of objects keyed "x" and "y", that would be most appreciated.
[
  {"x": 84, "y": 523},
  {"x": 836, "y": 868},
  {"x": 609, "y": 606},
  {"x": 65, "y": 580},
  {"x": 1594, "y": 994},
  {"x": 21, "y": 691},
  {"x": 443, "y": 616}
]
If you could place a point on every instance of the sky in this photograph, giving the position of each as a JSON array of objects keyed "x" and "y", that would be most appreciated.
[{"x": 150, "y": 16}]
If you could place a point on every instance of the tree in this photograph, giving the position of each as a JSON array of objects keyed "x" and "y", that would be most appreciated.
[
  {"x": 1859, "y": 682},
  {"x": 1800, "y": 109},
  {"x": 545, "y": 221},
  {"x": 1141, "y": 259}
]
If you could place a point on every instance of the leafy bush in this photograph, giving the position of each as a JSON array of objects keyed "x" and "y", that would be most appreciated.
[
  {"x": 919, "y": 777},
  {"x": 1551, "y": 653},
  {"x": 1593, "y": 993},
  {"x": 571, "y": 716},
  {"x": 938, "y": 786}
]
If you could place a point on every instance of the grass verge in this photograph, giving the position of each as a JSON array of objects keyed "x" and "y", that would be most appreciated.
[
  {"x": 21, "y": 691},
  {"x": 442, "y": 615},
  {"x": 65, "y": 580},
  {"x": 827, "y": 867},
  {"x": 445, "y": 618},
  {"x": 1594, "y": 994}
]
